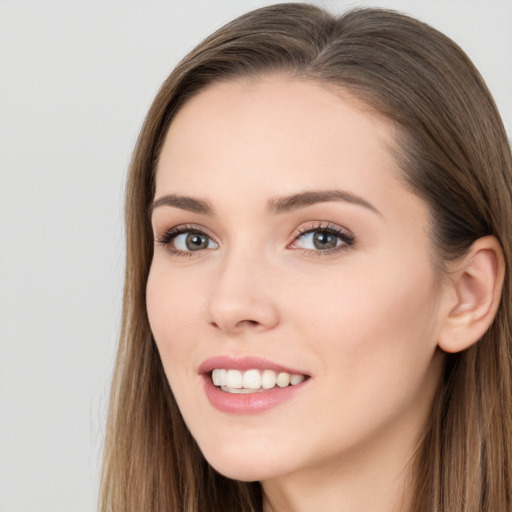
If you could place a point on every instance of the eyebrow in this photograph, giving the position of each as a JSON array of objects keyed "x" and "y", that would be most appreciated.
[
  {"x": 275, "y": 206},
  {"x": 184, "y": 203},
  {"x": 304, "y": 199}
]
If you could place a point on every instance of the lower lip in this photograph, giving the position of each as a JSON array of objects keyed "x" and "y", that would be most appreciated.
[{"x": 248, "y": 403}]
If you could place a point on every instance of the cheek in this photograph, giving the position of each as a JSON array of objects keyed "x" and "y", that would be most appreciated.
[
  {"x": 173, "y": 318},
  {"x": 375, "y": 341},
  {"x": 371, "y": 321},
  {"x": 173, "y": 310}
]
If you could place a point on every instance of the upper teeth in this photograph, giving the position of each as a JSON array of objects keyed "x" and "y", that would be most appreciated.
[{"x": 236, "y": 381}]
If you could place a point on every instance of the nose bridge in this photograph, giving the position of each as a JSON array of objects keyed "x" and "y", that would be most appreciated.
[{"x": 241, "y": 297}]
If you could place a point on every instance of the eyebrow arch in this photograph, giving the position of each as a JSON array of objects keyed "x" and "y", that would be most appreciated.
[
  {"x": 303, "y": 199},
  {"x": 183, "y": 202}
]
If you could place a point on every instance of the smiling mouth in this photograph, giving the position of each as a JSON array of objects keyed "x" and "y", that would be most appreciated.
[{"x": 253, "y": 381}]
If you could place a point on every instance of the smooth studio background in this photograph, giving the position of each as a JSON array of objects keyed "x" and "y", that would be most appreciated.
[{"x": 76, "y": 78}]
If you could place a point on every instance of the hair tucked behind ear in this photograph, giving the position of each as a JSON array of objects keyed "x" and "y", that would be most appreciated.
[{"x": 454, "y": 153}]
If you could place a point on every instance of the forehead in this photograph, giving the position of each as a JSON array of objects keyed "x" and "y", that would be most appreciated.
[{"x": 274, "y": 127}]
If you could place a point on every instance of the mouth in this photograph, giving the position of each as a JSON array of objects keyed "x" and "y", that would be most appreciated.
[
  {"x": 249, "y": 385},
  {"x": 253, "y": 380}
]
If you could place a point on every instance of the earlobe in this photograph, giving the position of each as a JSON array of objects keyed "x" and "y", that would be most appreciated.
[{"x": 476, "y": 283}]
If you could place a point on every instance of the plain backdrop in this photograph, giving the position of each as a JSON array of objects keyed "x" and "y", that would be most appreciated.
[{"x": 76, "y": 78}]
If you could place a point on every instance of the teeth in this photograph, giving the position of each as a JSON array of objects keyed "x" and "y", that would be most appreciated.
[
  {"x": 235, "y": 381},
  {"x": 251, "y": 379},
  {"x": 283, "y": 379},
  {"x": 219, "y": 377},
  {"x": 268, "y": 379},
  {"x": 296, "y": 379}
]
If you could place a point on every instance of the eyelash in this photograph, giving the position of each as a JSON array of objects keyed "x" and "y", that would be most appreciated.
[
  {"x": 171, "y": 234},
  {"x": 347, "y": 238}
]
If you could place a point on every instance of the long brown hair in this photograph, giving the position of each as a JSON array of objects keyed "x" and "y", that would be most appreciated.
[{"x": 454, "y": 153}]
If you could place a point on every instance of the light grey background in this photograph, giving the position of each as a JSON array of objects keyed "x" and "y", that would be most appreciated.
[{"x": 76, "y": 78}]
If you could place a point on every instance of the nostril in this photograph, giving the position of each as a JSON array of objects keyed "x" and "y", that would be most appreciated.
[{"x": 248, "y": 323}]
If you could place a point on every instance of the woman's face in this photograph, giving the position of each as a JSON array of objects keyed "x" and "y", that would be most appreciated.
[{"x": 287, "y": 248}]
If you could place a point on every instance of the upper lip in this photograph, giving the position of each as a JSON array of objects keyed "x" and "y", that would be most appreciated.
[{"x": 244, "y": 363}]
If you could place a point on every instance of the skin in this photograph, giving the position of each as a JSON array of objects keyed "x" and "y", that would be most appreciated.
[{"x": 363, "y": 322}]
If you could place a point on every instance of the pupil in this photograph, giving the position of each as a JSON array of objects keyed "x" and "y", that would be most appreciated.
[
  {"x": 323, "y": 240},
  {"x": 196, "y": 241}
]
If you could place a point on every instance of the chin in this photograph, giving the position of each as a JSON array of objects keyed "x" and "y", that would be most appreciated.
[
  {"x": 242, "y": 474},
  {"x": 248, "y": 467}
]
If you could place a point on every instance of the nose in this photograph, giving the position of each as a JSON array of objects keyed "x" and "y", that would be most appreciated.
[{"x": 243, "y": 297}]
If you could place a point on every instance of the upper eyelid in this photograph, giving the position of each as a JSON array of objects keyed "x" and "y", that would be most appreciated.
[
  {"x": 322, "y": 226},
  {"x": 169, "y": 234},
  {"x": 183, "y": 228}
]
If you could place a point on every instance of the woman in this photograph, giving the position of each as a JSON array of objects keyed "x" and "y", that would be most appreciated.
[{"x": 317, "y": 301}]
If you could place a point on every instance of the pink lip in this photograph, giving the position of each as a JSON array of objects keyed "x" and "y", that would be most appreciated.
[
  {"x": 246, "y": 403},
  {"x": 244, "y": 363}
]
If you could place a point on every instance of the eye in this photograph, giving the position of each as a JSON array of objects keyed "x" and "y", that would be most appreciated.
[
  {"x": 193, "y": 242},
  {"x": 186, "y": 239},
  {"x": 323, "y": 238}
]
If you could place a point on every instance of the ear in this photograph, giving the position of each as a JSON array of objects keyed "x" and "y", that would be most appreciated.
[{"x": 475, "y": 284}]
